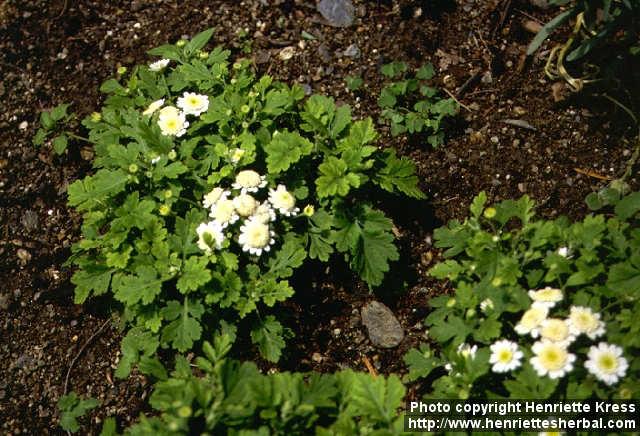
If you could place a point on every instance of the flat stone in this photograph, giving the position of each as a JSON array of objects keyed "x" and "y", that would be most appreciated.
[
  {"x": 382, "y": 325},
  {"x": 338, "y": 13}
]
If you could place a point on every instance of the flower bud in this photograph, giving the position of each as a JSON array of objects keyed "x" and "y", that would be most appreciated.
[
  {"x": 172, "y": 155},
  {"x": 490, "y": 212},
  {"x": 181, "y": 42},
  {"x": 96, "y": 117},
  {"x": 164, "y": 210},
  {"x": 133, "y": 168},
  {"x": 309, "y": 210},
  {"x": 122, "y": 70}
]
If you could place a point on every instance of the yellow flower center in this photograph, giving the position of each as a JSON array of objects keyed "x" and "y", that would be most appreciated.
[
  {"x": 505, "y": 356},
  {"x": 555, "y": 329},
  {"x": 553, "y": 358},
  {"x": 608, "y": 363},
  {"x": 258, "y": 236}
]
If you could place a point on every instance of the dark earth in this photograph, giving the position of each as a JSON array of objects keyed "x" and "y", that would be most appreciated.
[{"x": 55, "y": 51}]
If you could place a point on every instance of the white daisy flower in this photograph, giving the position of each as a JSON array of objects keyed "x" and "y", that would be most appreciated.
[
  {"x": 210, "y": 236},
  {"x": 255, "y": 237},
  {"x": 531, "y": 320},
  {"x": 547, "y": 296},
  {"x": 249, "y": 181},
  {"x": 264, "y": 213},
  {"x": 172, "y": 122},
  {"x": 551, "y": 359},
  {"x": 606, "y": 363},
  {"x": 556, "y": 330},
  {"x": 212, "y": 197},
  {"x": 193, "y": 104},
  {"x": 236, "y": 155},
  {"x": 245, "y": 205},
  {"x": 153, "y": 107},
  {"x": 584, "y": 320},
  {"x": 467, "y": 351},
  {"x": 505, "y": 356},
  {"x": 563, "y": 251},
  {"x": 486, "y": 305},
  {"x": 159, "y": 65},
  {"x": 224, "y": 212},
  {"x": 283, "y": 201},
  {"x": 448, "y": 367}
]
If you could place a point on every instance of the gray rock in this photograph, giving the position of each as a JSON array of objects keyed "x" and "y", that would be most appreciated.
[
  {"x": 339, "y": 13},
  {"x": 353, "y": 51},
  {"x": 382, "y": 325}
]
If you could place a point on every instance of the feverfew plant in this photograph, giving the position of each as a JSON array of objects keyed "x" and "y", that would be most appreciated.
[
  {"x": 211, "y": 187},
  {"x": 410, "y": 105},
  {"x": 549, "y": 305}
]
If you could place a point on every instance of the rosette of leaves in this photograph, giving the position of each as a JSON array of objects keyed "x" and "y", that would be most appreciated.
[
  {"x": 142, "y": 204},
  {"x": 410, "y": 105},
  {"x": 497, "y": 255}
]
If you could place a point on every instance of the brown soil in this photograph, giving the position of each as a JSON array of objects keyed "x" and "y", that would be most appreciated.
[{"x": 60, "y": 51}]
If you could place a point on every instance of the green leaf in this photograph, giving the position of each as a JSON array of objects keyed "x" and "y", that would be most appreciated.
[
  {"x": 109, "y": 427},
  {"x": 94, "y": 190},
  {"x": 143, "y": 287},
  {"x": 399, "y": 175},
  {"x": 369, "y": 241},
  {"x": 425, "y": 72},
  {"x": 548, "y": 28},
  {"x": 320, "y": 243},
  {"x": 184, "y": 329},
  {"x": 477, "y": 205},
  {"x": 624, "y": 278},
  {"x": 194, "y": 275},
  {"x": 198, "y": 41},
  {"x": 59, "y": 112},
  {"x": 285, "y": 149},
  {"x": 92, "y": 278},
  {"x": 111, "y": 86},
  {"x": 39, "y": 137},
  {"x": 420, "y": 363},
  {"x": 376, "y": 397},
  {"x": 290, "y": 256},
  {"x": 137, "y": 342},
  {"x": 152, "y": 366},
  {"x": 46, "y": 121},
  {"x": 354, "y": 82},
  {"x": 72, "y": 407},
  {"x": 268, "y": 336},
  {"x": 628, "y": 206},
  {"x": 394, "y": 69},
  {"x": 335, "y": 180}
]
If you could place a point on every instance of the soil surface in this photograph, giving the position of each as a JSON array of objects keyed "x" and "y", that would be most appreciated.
[{"x": 55, "y": 51}]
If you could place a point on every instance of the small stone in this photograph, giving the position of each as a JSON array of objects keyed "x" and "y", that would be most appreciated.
[
  {"x": 338, "y": 13},
  {"x": 23, "y": 125},
  {"x": 317, "y": 357},
  {"x": 519, "y": 111},
  {"x": 487, "y": 78},
  {"x": 495, "y": 139},
  {"x": 353, "y": 51},
  {"x": 382, "y": 325},
  {"x": 5, "y": 299},
  {"x": 531, "y": 26},
  {"x": 23, "y": 255},
  {"x": 287, "y": 53}
]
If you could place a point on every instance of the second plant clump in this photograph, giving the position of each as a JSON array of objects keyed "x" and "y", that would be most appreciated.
[{"x": 211, "y": 187}]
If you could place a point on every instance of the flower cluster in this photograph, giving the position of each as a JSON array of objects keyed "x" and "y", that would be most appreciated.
[
  {"x": 173, "y": 120},
  {"x": 551, "y": 354},
  {"x": 241, "y": 204}
]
